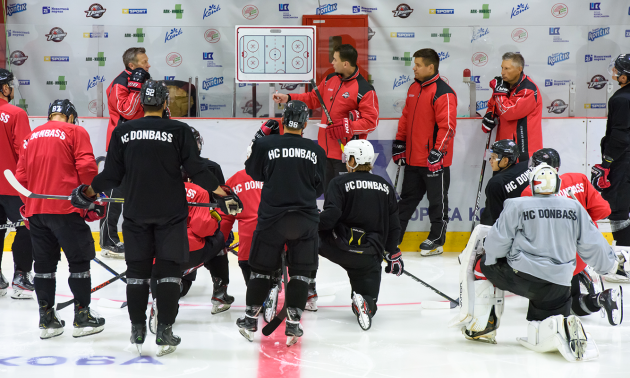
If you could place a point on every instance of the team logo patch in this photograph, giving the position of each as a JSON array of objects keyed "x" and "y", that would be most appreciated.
[{"x": 345, "y": 95}]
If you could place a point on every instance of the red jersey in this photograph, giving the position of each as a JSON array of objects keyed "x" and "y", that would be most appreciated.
[
  {"x": 249, "y": 192},
  {"x": 55, "y": 158},
  {"x": 123, "y": 104},
  {"x": 597, "y": 207},
  {"x": 199, "y": 223},
  {"x": 340, "y": 97},
  {"x": 15, "y": 128}
]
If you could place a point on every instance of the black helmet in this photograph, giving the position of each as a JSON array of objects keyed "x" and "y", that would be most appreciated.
[
  {"x": 6, "y": 77},
  {"x": 153, "y": 93},
  {"x": 295, "y": 115},
  {"x": 622, "y": 64},
  {"x": 505, "y": 148},
  {"x": 545, "y": 155},
  {"x": 65, "y": 107},
  {"x": 198, "y": 137}
]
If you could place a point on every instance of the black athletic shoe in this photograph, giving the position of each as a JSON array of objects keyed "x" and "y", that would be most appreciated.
[
  {"x": 86, "y": 321},
  {"x": 612, "y": 302},
  {"x": 431, "y": 247},
  {"x": 115, "y": 251},
  {"x": 49, "y": 321},
  {"x": 293, "y": 329},
  {"x": 166, "y": 341},
  {"x": 138, "y": 335},
  {"x": 248, "y": 324}
]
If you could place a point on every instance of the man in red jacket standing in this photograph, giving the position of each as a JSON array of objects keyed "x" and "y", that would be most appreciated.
[
  {"x": 424, "y": 144},
  {"x": 515, "y": 107},
  {"x": 123, "y": 102},
  {"x": 14, "y": 129},
  {"x": 344, "y": 92}
]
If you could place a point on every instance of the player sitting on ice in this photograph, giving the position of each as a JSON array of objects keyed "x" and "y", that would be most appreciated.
[
  {"x": 579, "y": 187},
  {"x": 530, "y": 251}
]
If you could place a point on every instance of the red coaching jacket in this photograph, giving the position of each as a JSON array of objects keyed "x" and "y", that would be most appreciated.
[
  {"x": 123, "y": 104},
  {"x": 340, "y": 97},
  {"x": 597, "y": 207},
  {"x": 428, "y": 120},
  {"x": 520, "y": 116},
  {"x": 199, "y": 223},
  {"x": 15, "y": 128},
  {"x": 55, "y": 158},
  {"x": 248, "y": 191}
]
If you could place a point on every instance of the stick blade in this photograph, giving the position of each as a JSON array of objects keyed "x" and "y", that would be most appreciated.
[
  {"x": 435, "y": 305},
  {"x": 16, "y": 184},
  {"x": 275, "y": 322}
]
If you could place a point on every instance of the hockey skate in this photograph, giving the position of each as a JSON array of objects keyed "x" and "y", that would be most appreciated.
[
  {"x": 22, "y": 285},
  {"x": 86, "y": 322},
  {"x": 221, "y": 301},
  {"x": 293, "y": 329},
  {"x": 166, "y": 341},
  {"x": 489, "y": 334},
  {"x": 153, "y": 317},
  {"x": 271, "y": 304},
  {"x": 362, "y": 311},
  {"x": 49, "y": 321},
  {"x": 611, "y": 300},
  {"x": 3, "y": 285},
  {"x": 431, "y": 248},
  {"x": 311, "y": 301},
  {"x": 116, "y": 251},
  {"x": 138, "y": 335},
  {"x": 248, "y": 324}
]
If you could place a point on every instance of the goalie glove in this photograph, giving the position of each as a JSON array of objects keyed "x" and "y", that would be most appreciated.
[
  {"x": 270, "y": 127},
  {"x": 394, "y": 263},
  {"x": 78, "y": 198},
  {"x": 229, "y": 204}
]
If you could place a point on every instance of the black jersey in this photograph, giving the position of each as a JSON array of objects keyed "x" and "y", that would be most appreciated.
[
  {"x": 617, "y": 139},
  {"x": 366, "y": 201},
  {"x": 508, "y": 183},
  {"x": 215, "y": 169},
  {"x": 147, "y": 153},
  {"x": 292, "y": 169}
]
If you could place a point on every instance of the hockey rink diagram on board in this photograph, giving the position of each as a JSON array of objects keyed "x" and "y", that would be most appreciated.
[{"x": 290, "y": 54}]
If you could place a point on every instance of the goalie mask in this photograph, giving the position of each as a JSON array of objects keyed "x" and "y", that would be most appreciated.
[
  {"x": 65, "y": 107},
  {"x": 544, "y": 180},
  {"x": 361, "y": 149}
]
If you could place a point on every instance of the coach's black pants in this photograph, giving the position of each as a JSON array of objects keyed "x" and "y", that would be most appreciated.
[
  {"x": 334, "y": 168},
  {"x": 618, "y": 196},
  {"x": 109, "y": 224},
  {"x": 22, "y": 247}
]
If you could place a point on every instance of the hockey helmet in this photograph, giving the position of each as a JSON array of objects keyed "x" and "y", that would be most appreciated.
[
  {"x": 504, "y": 148},
  {"x": 361, "y": 149},
  {"x": 295, "y": 115},
  {"x": 545, "y": 155},
  {"x": 544, "y": 179},
  {"x": 6, "y": 77},
  {"x": 621, "y": 65},
  {"x": 65, "y": 107},
  {"x": 153, "y": 93},
  {"x": 198, "y": 137}
]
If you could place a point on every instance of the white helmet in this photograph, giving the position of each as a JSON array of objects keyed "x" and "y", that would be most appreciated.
[
  {"x": 544, "y": 179},
  {"x": 362, "y": 151}
]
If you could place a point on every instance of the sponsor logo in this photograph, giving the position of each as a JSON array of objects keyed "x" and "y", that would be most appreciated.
[
  {"x": 559, "y": 10},
  {"x": 173, "y": 59},
  {"x": 441, "y": 11},
  {"x": 56, "y": 35},
  {"x": 481, "y": 105},
  {"x": 402, "y": 35},
  {"x": 17, "y": 57},
  {"x": 61, "y": 82},
  {"x": 399, "y": 105},
  {"x": 178, "y": 11},
  {"x": 169, "y": 78},
  {"x": 94, "y": 81},
  {"x": 597, "y": 82},
  {"x": 627, "y": 33},
  {"x": 95, "y": 11},
  {"x": 402, "y": 11},
  {"x": 17, "y": 33},
  {"x": 477, "y": 81},
  {"x": 519, "y": 9},
  {"x": 205, "y": 107},
  {"x": 96, "y": 35},
  {"x": 134, "y": 11},
  {"x": 479, "y": 59},
  {"x": 555, "y": 83},
  {"x": 285, "y": 8},
  {"x": 212, "y": 9},
  {"x": 557, "y": 106},
  {"x": 250, "y": 12},
  {"x": 360, "y": 9},
  {"x": 595, "y": 106},
  {"x": 212, "y": 82},
  {"x": 100, "y": 58},
  {"x": 212, "y": 35},
  {"x": 371, "y": 57},
  {"x": 557, "y": 57},
  {"x": 249, "y": 107},
  {"x": 596, "y": 58},
  {"x": 15, "y": 8},
  {"x": 596, "y": 7},
  {"x": 209, "y": 56},
  {"x": 370, "y": 33},
  {"x": 445, "y": 34},
  {"x": 138, "y": 34},
  {"x": 443, "y": 55},
  {"x": 49, "y": 10},
  {"x": 554, "y": 31},
  {"x": 406, "y": 58},
  {"x": 326, "y": 8},
  {"x": 172, "y": 34},
  {"x": 288, "y": 87},
  {"x": 24, "y": 82},
  {"x": 598, "y": 33},
  {"x": 478, "y": 33},
  {"x": 485, "y": 10},
  {"x": 519, "y": 35},
  {"x": 93, "y": 105},
  {"x": 403, "y": 79}
]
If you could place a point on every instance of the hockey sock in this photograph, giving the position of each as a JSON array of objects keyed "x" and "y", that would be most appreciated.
[
  {"x": 247, "y": 271},
  {"x": 219, "y": 267},
  {"x": 22, "y": 250},
  {"x": 168, "y": 274},
  {"x": 45, "y": 287},
  {"x": 81, "y": 285},
  {"x": 137, "y": 299},
  {"x": 153, "y": 287},
  {"x": 258, "y": 288},
  {"x": 297, "y": 292}
]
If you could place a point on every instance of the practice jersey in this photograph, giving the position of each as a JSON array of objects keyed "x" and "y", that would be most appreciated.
[
  {"x": 55, "y": 158},
  {"x": 292, "y": 169},
  {"x": 249, "y": 192},
  {"x": 15, "y": 128},
  {"x": 365, "y": 201},
  {"x": 508, "y": 183},
  {"x": 199, "y": 223},
  {"x": 540, "y": 235},
  {"x": 147, "y": 153},
  {"x": 215, "y": 169}
]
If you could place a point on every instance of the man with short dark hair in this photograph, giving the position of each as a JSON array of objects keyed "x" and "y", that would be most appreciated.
[{"x": 515, "y": 107}]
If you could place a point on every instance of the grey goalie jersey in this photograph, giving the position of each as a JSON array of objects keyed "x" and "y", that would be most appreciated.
[{"x": 540, "y": 235}]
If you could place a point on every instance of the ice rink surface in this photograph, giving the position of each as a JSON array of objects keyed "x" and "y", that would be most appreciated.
[{"x": 404, "y": 341}]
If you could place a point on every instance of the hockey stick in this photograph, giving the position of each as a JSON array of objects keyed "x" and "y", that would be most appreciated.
[
  {"x": 107, "y": 268},
  {"x": 28, "y": 194},
  {"x": 397, "y": 175},
  {"x": 452, "y": 302},
  {"x": 321, "y": 102},
  {"x": 277, "y": 320},
  {"x": 12, "y": 225},
  {"x": 96, "y": 288},
  {"x": 483, "y": 171}
]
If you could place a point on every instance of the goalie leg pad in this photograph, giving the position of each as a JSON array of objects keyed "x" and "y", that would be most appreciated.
[
  {"x": 487, "y": 312},
  {"x": 623, "y": 271}
]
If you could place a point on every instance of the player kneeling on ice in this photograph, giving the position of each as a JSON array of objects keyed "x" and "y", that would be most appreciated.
[
  {"x": 530, "y": 251},
  {"x": 359, "y": 222}
]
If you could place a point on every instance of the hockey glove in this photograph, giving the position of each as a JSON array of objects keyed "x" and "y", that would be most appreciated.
[
  {"x": 340, "y": 129},
  {"x": 23, "y": 214},
  {"x": 399, "y": 152},
  {"x": 488, "y": 122},
  {"x": 394, "y": 263},
  {"x": 435, "y": 160},
  {"x": 137, "y": 78},
  {"x": 498, "y": 87},
  {"x": 78, "y": 198},
  {"x": 354, "y": 115},
  {"x": 94, "y": 213},
  {"x": 270, "y": 127},
  {"x": 599, "y": 177},
  {"x": 229, "y": 204}
]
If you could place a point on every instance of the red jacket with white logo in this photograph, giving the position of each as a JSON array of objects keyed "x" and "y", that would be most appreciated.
[
  {"x": 597, "y": 207},
  {"x": 199, "y": 223},
  {"x": 340, "y": 97},
  {"x": 428, "y": 121},
  {"x": 249, "y": 192},
  {"x": 123, "y": 104},
  {"x": 520, "y": 116},
  {"x": 55, "y": 158},
  {"x": 15, "y": 128}
]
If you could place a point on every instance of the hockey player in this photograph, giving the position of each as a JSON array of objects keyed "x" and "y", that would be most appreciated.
[
  {"x": 579, "y": 186},
  {"x": 509, "y": 180},
  {"x": 292, "y": 169},
  {"x": 424, "y": 144},
  {"x": 612, "y": 176},
  {"x": 359, "y": 222},
  {"x": 147, "y": 154},
  {"x": 55, "y": 158},
  {"x": 515, "y": 106},
  {"x": 14, "y": 128},
  {"x": 530, "y": 251}
]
